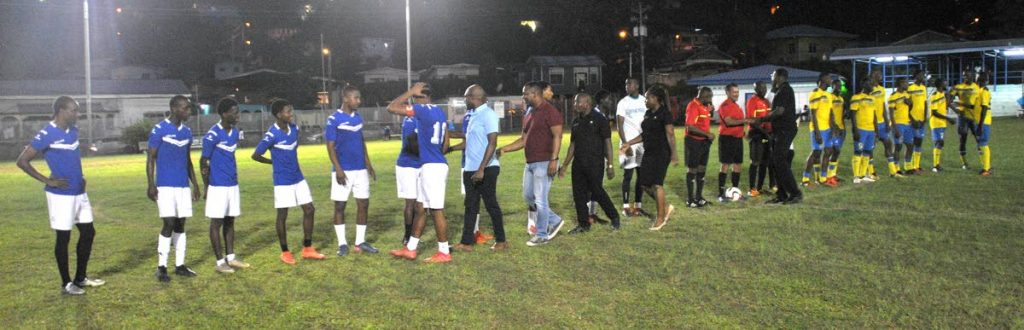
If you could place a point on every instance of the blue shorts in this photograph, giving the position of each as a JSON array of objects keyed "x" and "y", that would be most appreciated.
[
  {"x": 882, "y": 131},
  {"x": 986, "y": 131},
  {"x": 906, "y": 134},
  {"x": 938, "y": 134},
  {"x": 965, "y": 126},
  {"x": 919, "y": 132},
  {"x": 838, "y": 138},
  {"x": 826, "y": 140},
  {"x": 866, "y": 142}
]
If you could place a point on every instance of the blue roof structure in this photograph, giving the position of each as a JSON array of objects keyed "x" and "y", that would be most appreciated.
[
  {"x": 753, "y": 74},
  {"x": 99, "y": 87}
]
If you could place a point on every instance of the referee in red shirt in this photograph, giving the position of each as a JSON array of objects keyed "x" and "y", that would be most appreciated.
[
  {"x": 730, "y": 139},
  {"x": 697, "y": 145}
]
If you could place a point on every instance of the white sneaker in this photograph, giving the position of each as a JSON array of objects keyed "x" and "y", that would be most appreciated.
[
  {"x": 72, "y": 289},
  {"x": 867, "y": 179},
  {"x": 93, "y": 282},
  {"x": 856, "y": 180}
]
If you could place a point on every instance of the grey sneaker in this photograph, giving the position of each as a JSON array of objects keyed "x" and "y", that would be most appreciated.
[
  {"x": 224, "y": 268},
  {"x": 72, "y": 289},
  {"x": 553, "y": 232},
  {"x": 366, "y": 247},
  {"x": 537, "y": 240},
  {"x": 343, "y": 250},
  {"x": 238, "y": 264},
  {"x": 93, "y": 282}
]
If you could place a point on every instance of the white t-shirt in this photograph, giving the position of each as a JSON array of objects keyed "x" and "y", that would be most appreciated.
[{"x": 631, "y": 110}]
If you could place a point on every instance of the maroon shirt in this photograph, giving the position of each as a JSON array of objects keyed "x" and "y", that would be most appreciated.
[{"x": 537, "y": 129}]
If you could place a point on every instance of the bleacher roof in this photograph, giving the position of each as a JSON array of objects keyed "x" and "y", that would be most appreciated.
[
  {"x": 753, "y": 74},
  {"x": 926, "y": 49}
]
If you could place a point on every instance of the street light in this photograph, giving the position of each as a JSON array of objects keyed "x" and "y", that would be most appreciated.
[{"x": 623, "y": 34}]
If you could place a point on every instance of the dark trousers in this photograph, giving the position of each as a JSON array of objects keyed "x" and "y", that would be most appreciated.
[
  {"x": 588, "y": 185},
  {"x": 486, "y": 189},
  {"x": 783, "y": 164}
]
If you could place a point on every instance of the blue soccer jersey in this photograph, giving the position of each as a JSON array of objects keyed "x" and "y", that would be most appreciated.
[
  {"x": 219, "y": 147},
  {"x": 347, "y": 133},
  {"x": 172, "y": 147},
  {"x": 406, "y": 159},
  {"x": 284, "y": 147},
  {"x": 430, "y": 121},
  {"x": 60, "y": 149}
]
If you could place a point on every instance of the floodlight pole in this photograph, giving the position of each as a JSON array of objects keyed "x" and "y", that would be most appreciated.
[
  {"x": 408, "y": 48},
  {"x": 88, "y": 68}
]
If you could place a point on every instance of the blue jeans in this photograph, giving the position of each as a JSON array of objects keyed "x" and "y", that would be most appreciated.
[{"x": 536, "y": 185}]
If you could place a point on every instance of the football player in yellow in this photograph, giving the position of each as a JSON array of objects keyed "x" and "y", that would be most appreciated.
[
  {"x": 966, "y": 94},
  {"x": 838, "y": 129},
  {"x": 899, "y": 105},
  {"x": 882, "y": 127},
  {"x": 821, "y": 128},
  {"x": 983, "y": 111},
  {"x": 863, "y": 120},
  {"x": 918, "y": 111},
  {"x": 939, "y": 120}
]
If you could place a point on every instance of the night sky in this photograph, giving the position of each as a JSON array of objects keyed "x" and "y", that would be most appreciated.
[{"x": 42, "y": 39}]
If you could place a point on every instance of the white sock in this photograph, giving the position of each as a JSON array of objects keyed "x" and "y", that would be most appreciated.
[
  {"x": 639, "y": 205},
  {"x": 532, "y": 218},
  {"x": 476, "y": 228},
  {"x": 340, "y": 231},
  {"x": 360, "y": 234},
  {"x": 230, "y": 257},
  {"x": 413, "y": 243},
  {"x": 220, "y": 262},
  {"x": 592, "y": 206},
  {"x": 443, "y": 247},
  {"x": 179, "y": 248},
  {"x": 625, "y": 205},
  {"x": 163, "y": 248}
]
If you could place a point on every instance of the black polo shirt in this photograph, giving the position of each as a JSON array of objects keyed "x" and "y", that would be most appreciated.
[
  {"x": 784, "y": 98},
  {"x": 588, "y": 133}
]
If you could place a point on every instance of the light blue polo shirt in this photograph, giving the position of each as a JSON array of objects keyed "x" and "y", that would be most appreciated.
[{"x": 479, "y": 123}]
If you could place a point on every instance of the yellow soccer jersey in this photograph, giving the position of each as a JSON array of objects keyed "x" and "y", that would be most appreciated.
[
  {"x": 878, "y": 96},
  {"x": 821, "y": 104},
  {"x": 863, "y": 108},
  {"x": 837, "y": 111},
  {"x": 984, "y": 99},
  {"x": 938, "y": 104},
  {"x": 919, "y": 99},
  {"x": 966, "y": 93},
  {"x": 900, "y": 109}
]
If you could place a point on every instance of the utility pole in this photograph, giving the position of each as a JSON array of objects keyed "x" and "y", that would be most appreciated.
[
  {"x": 88, "y": 69},
  {"x": 640, "y": 30}
]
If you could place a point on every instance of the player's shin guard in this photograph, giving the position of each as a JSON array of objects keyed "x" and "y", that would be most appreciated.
[
  {"x": 892, "y": 165},
  {"x": 855, "y": 165}
]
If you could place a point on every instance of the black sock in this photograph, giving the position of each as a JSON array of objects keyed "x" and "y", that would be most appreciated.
[
  {"x": 735, "y": 179},
  {"x": 627, "y": 177},
  {"x": 689, "y": 186},
  {"x": 700, "y": 185},
  {"x": 284, "y": 247},
  {"x": 752, "y": 177},
  {"x": 306, "y": 243},
  {"x": 762, "y": 171},
  {"x": 721, "y": 184},
  {"x": 84, "y": 249},
  {"x": 60, "y": 250}
]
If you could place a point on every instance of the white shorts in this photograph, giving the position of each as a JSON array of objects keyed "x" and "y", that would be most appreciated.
[
  {"x": 292, "y": 195},
  {"x": 174, "y": 202},
  {"x": 223, "y": 202},
  {"x": 408, "y": 182},
  {"x": 633, "y": 161},
  {"x": 433, "y": 179},
  {"x": 357, "y": 183},
  {"x": 68, "y": 210}
]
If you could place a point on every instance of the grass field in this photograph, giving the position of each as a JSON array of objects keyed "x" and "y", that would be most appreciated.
[{"x": 934, "y": 251}]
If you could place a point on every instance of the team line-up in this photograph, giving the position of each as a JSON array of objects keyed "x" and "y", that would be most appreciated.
[{"x": 647, "y": 147}]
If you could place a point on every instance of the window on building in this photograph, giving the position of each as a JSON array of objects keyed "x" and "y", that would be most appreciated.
[
  {"x": 594, "y": 75},
  {"x": 556, "y": 76},
  {"x": 812, "y": 48},
  {"x": 792, "y": 48}
]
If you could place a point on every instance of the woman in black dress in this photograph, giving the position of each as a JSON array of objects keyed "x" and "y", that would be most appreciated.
[{"x": 659, "y": 142}]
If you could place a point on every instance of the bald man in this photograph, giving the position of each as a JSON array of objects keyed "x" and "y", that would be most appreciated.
[{"x": 480, "y": 170}]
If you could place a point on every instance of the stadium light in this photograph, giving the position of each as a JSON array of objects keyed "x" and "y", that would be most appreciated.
[
  {"x": 1014, "y": 52},
  {"x": 883, "y": 59}
]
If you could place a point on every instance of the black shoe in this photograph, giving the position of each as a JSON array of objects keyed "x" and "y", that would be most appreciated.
[
  {"x": 776, "y": 201},
  {"x": 701, "y": 202},
  {"x": 161, "y": 274},
  {"x": 644, "y": 213},
  {"x": 794, "y": 200},
  {"x": 579, "y": 230},
  {"x": 184, "y": 271}
]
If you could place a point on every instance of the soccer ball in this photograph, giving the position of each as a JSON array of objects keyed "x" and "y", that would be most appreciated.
[{"x": 734, "y": 194}]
